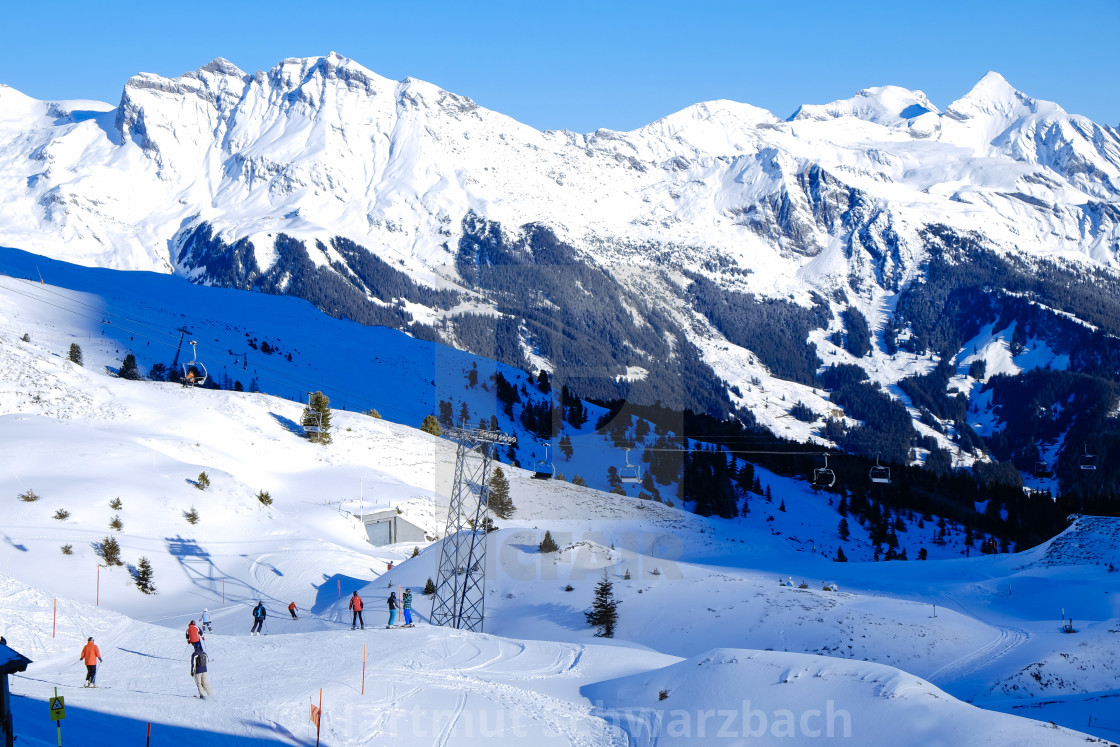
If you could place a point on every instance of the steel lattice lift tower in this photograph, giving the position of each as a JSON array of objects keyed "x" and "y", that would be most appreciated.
[{"x": 460, "y": 597}]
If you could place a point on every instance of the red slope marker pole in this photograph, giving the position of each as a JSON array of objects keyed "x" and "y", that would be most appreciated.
[
  {"x": 340, "y": 588},
  {"x": 319, "y": 723},
  {"x": 149, "y": 742}
]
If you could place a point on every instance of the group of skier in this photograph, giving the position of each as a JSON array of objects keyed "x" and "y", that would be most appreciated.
[
  {"x": 195, "y": 636},
  {"x": 405, "y": 604}
]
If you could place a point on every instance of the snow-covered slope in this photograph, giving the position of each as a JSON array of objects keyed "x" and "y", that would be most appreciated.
[{"x": 700, "y": 598}]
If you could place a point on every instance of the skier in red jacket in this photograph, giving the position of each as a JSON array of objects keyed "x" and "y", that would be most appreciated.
[
  {"x": 356, "y": 605},
  {"x": 194, "y": 636}
]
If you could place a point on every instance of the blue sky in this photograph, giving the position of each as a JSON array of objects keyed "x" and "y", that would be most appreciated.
[{"x": 583, "y": 65}]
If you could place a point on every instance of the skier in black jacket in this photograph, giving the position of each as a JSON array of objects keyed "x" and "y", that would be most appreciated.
[{"x": 259, "y": 614}]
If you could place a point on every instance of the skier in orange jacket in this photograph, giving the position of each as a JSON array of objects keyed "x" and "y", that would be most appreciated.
[
  {"x": 194, "y": 636},
  {"x": 292, "y": 609},
  {"x": 90, "y": 655}
]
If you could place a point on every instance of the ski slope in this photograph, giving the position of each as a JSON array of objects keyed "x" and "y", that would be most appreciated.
[{"x": 703, "y": 615}]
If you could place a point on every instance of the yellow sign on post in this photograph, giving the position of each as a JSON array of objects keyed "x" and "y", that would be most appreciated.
[{"x": 58, "y": 708}]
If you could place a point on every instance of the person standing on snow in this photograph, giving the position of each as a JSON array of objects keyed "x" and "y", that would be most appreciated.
[
  {"x": 292, "y": 608},
  {"x": 406, "y": 604},
  {"x": 259, "y": 615},
  {"x": 392, "y": 608},
  {"x": 201, "y": 676},
  {"x": 206, "y": 621},
  {"x": 194, "y": 636},
  {"x": 356, "y": 605},
  {"x": 90, "y": 655}
]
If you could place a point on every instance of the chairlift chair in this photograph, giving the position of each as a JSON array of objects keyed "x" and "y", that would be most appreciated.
[
  {"x": 823, "y": 477},
  {"x": 194, "y": 371},
  {"x": 544, "y": 469},
  {"x": 312, "y": 419},
  {"x": 1087, "y": 461},
  {"x": 880, "y": 473},
  {"x": 630, "y": 473},
  {"x": 1042, "y": 469}
]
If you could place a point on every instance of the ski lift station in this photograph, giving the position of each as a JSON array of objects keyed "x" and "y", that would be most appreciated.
[{"x": 387, "y": 527}]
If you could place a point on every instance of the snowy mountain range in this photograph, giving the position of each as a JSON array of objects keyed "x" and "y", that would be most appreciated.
[{"x": 718, "y": 259}]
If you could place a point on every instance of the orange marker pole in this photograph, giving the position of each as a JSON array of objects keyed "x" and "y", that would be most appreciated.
[
  {"x": 363, "y": 669},
  {"x": 340, "y": 588},
  {"x": 319, "y": 723}
]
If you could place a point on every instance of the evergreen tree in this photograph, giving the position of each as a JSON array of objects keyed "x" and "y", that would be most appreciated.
[
  {"x": 840, "y": 556},
  {"x": 464, "y": 413},
  {"x": 129, "y": 370},
  {"x": 566, "y": 447},
  {"x": 613, "y": 478},
  {"x": 143, "y": 576},
  {"x": 429, "y": 587},
  {"x": 446, "y": 413},
  {"x": 577, "y": 480},
  {"x": 264, "y": 497},
  {"x": 431, "y": 425},
  {"x": 203, "y": 481},
  {"x": 548, "y": 544},
  {"x": 604, "y": 610},
  {"x": 191, "y": 516},
  {"x": 843, "y": 529},
  {"x": 110, "y": 551},
  {"x": 498, "y": 495},
  {"x": 318, "y": 413},
  {"x": 75, "y": 353}
]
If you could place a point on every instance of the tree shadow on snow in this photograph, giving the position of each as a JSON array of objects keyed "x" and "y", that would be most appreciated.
[
  {"x": 288, "y": 424},
  {"x": 327, "y": 593},
  {"x": 98, "y": 729}
]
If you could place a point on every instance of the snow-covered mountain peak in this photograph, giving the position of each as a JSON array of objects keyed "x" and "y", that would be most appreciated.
[
  {"x": 886, "y": 105},
  {"x": 994, "y": 98}
]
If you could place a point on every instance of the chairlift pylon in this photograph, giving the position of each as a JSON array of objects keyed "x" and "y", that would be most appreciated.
[
  {"x": 880, "y": 473},
  {"x": 194, "y": 371},
  {"x": 629, "y": 473},
  {"x": 823, "y": 477},
  {"x": 544, "y": 469}
]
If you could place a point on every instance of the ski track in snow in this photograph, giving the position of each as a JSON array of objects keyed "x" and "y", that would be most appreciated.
[{"x": 1007, "y": 640}]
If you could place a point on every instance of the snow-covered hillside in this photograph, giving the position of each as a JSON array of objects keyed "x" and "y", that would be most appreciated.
[{"x": 708, "y": 642}]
